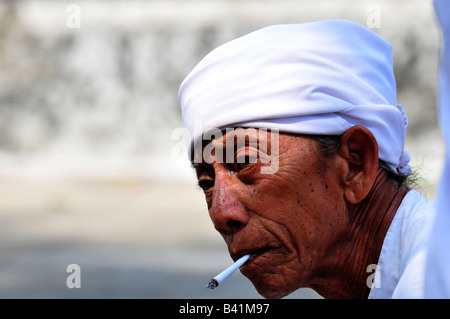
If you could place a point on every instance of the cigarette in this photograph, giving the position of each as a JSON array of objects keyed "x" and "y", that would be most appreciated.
[{"x": 220, "y": 278}]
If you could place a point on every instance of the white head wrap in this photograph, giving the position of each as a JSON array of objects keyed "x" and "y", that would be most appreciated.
[{"x": 317, "y": 78}]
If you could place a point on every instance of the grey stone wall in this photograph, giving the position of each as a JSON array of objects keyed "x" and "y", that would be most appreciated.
[{"x": 103, "y": 97}]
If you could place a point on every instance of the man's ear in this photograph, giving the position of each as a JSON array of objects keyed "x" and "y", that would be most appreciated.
[{"x": 358, "y": 163}]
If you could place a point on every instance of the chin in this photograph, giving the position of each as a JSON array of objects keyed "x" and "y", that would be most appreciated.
[
  {"x": 272, "y": 294},
  {"x": 272, "y": 289}
]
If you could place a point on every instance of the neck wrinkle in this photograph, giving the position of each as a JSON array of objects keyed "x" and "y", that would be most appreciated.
[{"x": 369, "y": 222}]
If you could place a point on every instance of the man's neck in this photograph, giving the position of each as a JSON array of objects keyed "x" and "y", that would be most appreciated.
[{"x": 369, "y": 222}]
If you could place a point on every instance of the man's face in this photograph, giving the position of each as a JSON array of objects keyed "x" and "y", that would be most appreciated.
[{"x": 290, "y": 220}]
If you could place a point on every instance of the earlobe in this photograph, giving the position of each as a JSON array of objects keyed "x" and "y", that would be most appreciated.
[{"x": 359, "y": 162}]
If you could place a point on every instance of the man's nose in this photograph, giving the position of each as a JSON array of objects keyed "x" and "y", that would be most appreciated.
[{"x": 227, "y": 211}]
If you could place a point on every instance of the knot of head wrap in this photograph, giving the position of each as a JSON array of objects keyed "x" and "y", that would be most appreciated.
[
  {"x": 316, "y": 78},
  {"x": 404, "y": 169},
  {"x": 403, "y": 166}
]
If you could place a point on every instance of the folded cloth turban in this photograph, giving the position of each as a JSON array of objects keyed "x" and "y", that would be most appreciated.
[{"x": 316, "y": 78}]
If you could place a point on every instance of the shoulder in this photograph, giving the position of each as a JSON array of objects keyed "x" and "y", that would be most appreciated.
[{"x": 417, "y": 215}]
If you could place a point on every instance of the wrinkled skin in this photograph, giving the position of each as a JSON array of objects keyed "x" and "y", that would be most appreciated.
[{"x": 299, "y": 222}]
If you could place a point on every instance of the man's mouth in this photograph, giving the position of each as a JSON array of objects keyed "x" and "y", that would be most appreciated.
[{"x": 255, "y": 255}]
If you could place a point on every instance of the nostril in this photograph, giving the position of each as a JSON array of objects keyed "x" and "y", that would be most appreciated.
[
  {"x": 231, "y": 226},
  {"x": 234, "y": 224}
]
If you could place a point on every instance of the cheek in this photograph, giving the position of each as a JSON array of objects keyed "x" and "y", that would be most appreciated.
[
  {"x": 295, "y": 194},
  {"x": 304, "y": 198}
]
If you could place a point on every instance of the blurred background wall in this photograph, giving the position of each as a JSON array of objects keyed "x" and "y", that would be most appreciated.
[{"x": 89, "y": 171}]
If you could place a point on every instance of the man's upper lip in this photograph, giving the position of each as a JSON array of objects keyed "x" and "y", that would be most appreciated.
[{"x": 254, "y": 251}]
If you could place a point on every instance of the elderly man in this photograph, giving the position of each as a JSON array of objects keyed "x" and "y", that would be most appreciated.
[{"x": 300, "y": 154}]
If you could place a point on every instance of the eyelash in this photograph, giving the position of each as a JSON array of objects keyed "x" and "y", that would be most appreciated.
[
  {"x": 207, "y": 183},
  {"x": 241, "y": 165}
]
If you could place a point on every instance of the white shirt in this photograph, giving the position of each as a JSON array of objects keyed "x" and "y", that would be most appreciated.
[
  {"x": 401, "y": 265},
  {"x": 438, "y": 266}
]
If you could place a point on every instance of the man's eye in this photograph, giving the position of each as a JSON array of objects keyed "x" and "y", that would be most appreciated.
[
  {"x": 246, "y": 160},
  {"x": 206, "y": 184}
]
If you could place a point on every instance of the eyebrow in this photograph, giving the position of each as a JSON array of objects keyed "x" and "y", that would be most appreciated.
[
  {"x": 238, "y": 137},
  {"x": 200, "y": 167},
  {"x": 248, "y": 136},
  {"x": 196, "y": 166}
]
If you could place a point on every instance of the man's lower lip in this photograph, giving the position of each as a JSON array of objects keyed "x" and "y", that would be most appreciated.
[{"x": 255, "y": 256}]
